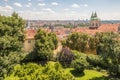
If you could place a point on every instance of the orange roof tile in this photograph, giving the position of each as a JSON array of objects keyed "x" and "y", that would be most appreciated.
[
  {"x": 30, "y": 33},
  {"x": 109, "y": 27},
  {"x": 102, "y": 28}
]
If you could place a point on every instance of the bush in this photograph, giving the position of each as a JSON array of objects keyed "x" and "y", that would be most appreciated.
[
  {"x": 96, "y": 61},
  {"x": 32, "y": 71},
  {"x": 79, "y": 63},
  {"x": 78, "y": 55},
  {"x": 65, "y": 57}
]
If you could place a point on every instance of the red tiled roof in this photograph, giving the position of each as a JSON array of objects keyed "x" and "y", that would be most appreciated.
[
  {"x": 30, "y": 33},
  {"x": 109, "y": 27},
  {"x": 102, "y": 28}
]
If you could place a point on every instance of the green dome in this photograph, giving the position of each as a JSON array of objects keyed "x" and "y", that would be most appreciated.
[{"x": 94, "y": 16}]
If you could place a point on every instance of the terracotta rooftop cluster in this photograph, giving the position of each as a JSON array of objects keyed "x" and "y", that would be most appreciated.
[
  {"x": 102, "y": 28},
  {"x": 63, "y": 32}
]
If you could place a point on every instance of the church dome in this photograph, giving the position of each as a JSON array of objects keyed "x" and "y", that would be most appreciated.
[{"x": 94, "y": 16}]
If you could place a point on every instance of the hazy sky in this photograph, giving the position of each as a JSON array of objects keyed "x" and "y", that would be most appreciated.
[{"x": 62, "y": 9}]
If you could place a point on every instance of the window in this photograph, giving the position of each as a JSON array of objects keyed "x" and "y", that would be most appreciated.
[
  {"x": 96, "y": 25},
  {"x": 92, "y": 24},
  {"x": 29, "y": 41}
]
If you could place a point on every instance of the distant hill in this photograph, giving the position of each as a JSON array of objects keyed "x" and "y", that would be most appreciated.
[{"x": 110, "y": 21}]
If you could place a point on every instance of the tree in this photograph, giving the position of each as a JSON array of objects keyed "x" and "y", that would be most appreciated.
[
  {"x": 92, "y": 43},
  {"x": 11, "y": 37},
  {"x": 109, "y": 49},
  {"x": 11, "y": 42},
  {"x": 45, "y": 43},
  {"x": 77, "y": 41},
  {"x": 54, "y": 39},
  {"x": 65, "y": 57}
]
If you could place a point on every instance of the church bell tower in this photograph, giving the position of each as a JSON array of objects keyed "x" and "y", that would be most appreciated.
[{"x": 94, "y": 21}]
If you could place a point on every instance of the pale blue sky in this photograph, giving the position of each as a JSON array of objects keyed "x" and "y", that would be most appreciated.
[{"x": 62, "y": 9}]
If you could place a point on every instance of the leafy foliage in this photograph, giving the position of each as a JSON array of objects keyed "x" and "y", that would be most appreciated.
[
  {"x": 31, "y": 71},
  {"x": 77, "y": 41},
  {"x": 11, "y": 34},
  {"x": 45, "y": 43},
  {"x": 11, "y": 42},
  {"x": 109, "y": 49},
  {"x": 53, "y": 37},
  {"x": 65, "y": 57},
  {"x": 79, "y": 63}
]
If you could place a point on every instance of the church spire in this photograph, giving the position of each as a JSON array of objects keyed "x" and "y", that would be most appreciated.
[
  {"x": 94, "y": 21},
  {"x": 95, "y": 14},
  {"x": 92, "y": 15}
]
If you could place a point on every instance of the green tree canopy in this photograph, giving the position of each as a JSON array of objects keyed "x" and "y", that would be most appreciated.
[
  {"x": 11, "y": 33},
  {"x": 77, "y": 41},
  {"x": 45, "y": 43},
  {"x": 109, "y": 49},
  {"x": 11, "y": 42}
]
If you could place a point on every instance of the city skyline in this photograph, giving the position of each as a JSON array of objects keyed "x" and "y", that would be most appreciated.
[{"x": 62, "y": 9}]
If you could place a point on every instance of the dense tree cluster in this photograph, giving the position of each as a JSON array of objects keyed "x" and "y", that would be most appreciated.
[
  {"x": 11, "y": 42},
  {"x": 77, "y": 41},
  {"x": 107, "y": 46},
  {"x": 109, "y": 49},
  {"x": 45, "y": 43},
  {"x": 11, "y": 34}
]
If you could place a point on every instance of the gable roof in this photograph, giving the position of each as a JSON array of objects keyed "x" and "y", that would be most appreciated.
[
  {"x": 109, "y": 27},
  {"x": 102, "y": 28},
  {"x": 30, "y": 33}
]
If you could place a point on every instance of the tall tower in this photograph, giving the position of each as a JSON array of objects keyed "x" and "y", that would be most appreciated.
[{"x": 94, "y": 21}]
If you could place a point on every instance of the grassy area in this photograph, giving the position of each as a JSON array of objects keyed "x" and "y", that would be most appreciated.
[
  {"x": 87, "y": 75},
  {"x": 90, "y": 74}
]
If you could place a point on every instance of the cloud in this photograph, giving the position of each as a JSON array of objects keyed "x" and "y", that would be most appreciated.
[
  {"x": 70, "y": 15},
  {"x": 28, "y": 5},
  {"x": 29, "y": 0},
  {"x": 75, "y": 5},
  {"x": 6, "y": 8},
  {"x": 46, "y": 16},
  {"x": 40, "y": 0},
  {"x": 6, "y": 0},
  {"x": 35, "y": 15},
  {"x": 73, "y": 12},
  {"x": 66, "y": 9},
  {"x": 18, "y": 4},
  {"x": 48, "y": 10},
  {"x": 54, "y": 3},
  {"x": 41, "y": 4},
  {"x": 9, "y": 7},
  {"x": 85, "y": 5}
]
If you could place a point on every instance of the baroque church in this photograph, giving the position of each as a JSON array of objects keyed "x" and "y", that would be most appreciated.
[{"x": 94, "y": 21}]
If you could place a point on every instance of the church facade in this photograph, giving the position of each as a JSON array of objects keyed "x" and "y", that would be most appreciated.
[{"x": 94, "y": 21}]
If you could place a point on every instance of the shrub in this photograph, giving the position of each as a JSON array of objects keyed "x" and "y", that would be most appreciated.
[
  {"x": 96, "y": 61},
  {"x": 32, "y": 71},
  {"x": 65, "y": 57},
  {"x": 79, "y": 63}
]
